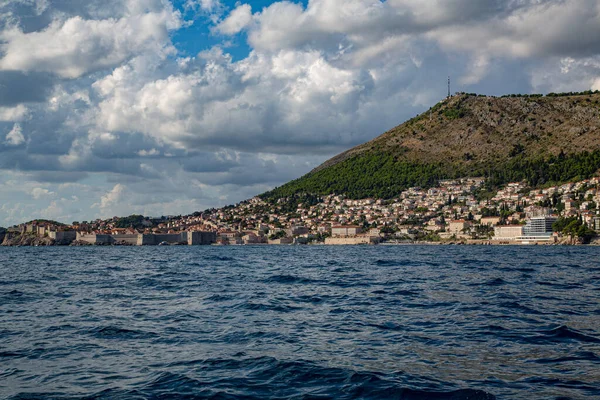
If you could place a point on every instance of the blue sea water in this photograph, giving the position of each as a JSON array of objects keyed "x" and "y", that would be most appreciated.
[{"x": 382, "y": 322}]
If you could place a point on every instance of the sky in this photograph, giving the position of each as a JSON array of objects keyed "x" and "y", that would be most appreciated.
[{"x": 166, "y": 107}]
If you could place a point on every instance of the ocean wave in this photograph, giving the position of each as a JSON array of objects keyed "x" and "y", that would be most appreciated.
[
  {"x": 289, "y": 280},
  {"x": 274, "y": 306},
  {"x": 577, "y": 357},
  {"x": 563, "y": 332},
  {"x": 300, "y": 323},
  {"x": 117, "y": 333},
  {"x": 269, "y": 378}
]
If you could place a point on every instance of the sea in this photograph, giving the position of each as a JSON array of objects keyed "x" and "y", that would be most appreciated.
[{"x": 300, "y": 322}]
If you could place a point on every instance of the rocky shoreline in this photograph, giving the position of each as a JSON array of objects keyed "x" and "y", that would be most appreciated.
[
  {"x": 26, "y": 240},
  {"x": 19, "y": 240}
]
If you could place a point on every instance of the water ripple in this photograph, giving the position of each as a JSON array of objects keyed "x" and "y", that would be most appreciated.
[{"x": 263, "y": 322}]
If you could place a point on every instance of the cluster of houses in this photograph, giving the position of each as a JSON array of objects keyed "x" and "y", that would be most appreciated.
[{"x": 456, "y": 210}]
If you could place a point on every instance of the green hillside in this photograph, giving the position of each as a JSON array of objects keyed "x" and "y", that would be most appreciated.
[{"x": 541, "y": 139}]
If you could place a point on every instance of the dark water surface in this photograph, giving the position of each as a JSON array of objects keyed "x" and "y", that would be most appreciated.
[{"x": 391, "y": 322}]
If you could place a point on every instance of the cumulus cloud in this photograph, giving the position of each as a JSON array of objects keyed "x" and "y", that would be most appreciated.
[
  {"x": 77, "y": 46},
  {"x": 510, "y": 28},
  {"x": 566, "y": 74},
  {"x": 148, "y": 153},
  {"x": 237, "y": 20},
  {"x": 13, "y": 113},
  {"x": 217, "y": 103},
  {"x": 477, "y": 70},
  {"x": 15, "y": 136},
  {"x": 575, "y": 30},
  {"x": 39, "y": 192},
  {"x": 111, "y": 199},
  {"x": 205, "y": 5},
  {"x": 101, "y": 92}
]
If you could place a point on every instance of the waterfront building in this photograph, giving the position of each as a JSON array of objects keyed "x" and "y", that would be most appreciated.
[
  {"x": 508, "y": 232},
  {"x": 458, "y": 226},
  {"x": 346, "y": 230},
  {"x": 539, "y": 226},
  {"x": 597, "y": 223}
]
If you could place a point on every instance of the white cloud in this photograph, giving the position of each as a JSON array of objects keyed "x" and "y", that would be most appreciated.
[
  {"x": 77, "y": 46},
  {"x": 218, "y": 103},
  {"x": 54, "y": 211},
  {"x": 116, "y": 108},
  {"x": 147, "y": 153},
  {"x": 39, "y": 192},
  {"x": 477, "y": 70},
  {"x": 236, "y": 21},
  {"x": 17, "y": 113},
  {"x": 205, "y": 5},
  {"x": 566, "y": 74},
  {"x": 15, "y": 136},
  {"x": 15, "y": 213},
  {"x": 111, "y": 200},
  {"x": 524, "y": 31}
]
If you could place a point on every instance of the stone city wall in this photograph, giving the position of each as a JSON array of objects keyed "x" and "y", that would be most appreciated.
[
  {"x": 155, "y": 239},
  {"x": 128, "y": 239},
  {"x": 201, "y": 238},
  {"x": 93, "y": 238},
  {"x": 64, "y": 237},
  {"x": 352, "y": 240}
]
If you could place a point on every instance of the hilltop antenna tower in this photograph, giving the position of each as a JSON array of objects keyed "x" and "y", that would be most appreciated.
[{"x": 448, "y": 86}]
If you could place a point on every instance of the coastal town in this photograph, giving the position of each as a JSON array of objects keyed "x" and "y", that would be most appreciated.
[{"x": 457, "y": 211}]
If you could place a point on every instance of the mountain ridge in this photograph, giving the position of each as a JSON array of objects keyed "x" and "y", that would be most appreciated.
[{"x": 468, "y": 135}]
